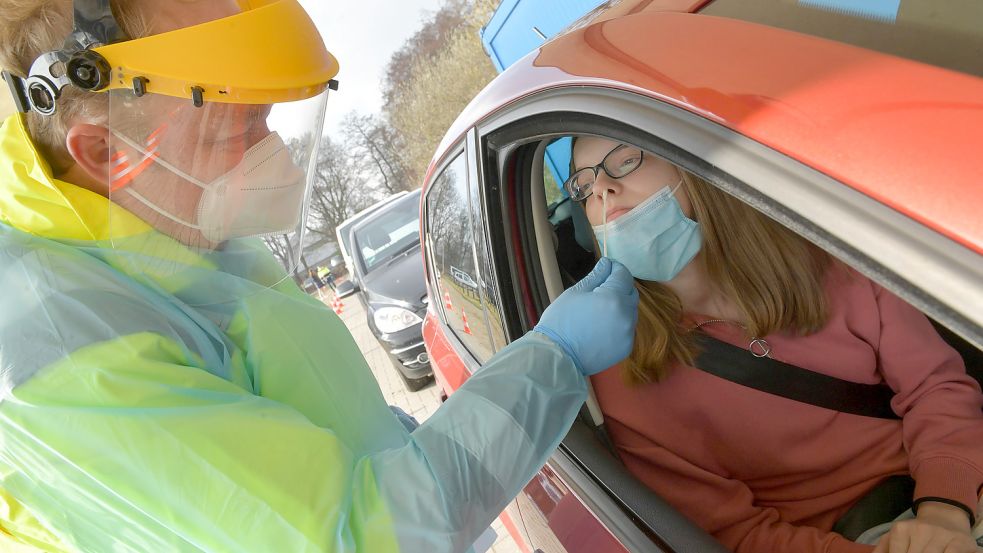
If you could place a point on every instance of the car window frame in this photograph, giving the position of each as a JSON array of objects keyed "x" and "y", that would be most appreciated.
[
  {"x": 470, "y": 359},
  {"x": 345, "y": 227},
  {"x": 479, "y": 233}
]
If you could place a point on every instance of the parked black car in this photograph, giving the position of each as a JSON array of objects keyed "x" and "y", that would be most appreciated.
[{"x": 387, "y": 266}]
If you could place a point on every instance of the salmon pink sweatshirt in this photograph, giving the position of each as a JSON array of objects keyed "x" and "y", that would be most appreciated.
[{"x": 765, "y": 474}]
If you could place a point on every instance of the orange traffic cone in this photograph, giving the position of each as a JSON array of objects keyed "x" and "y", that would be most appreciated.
[
  {"x": 447, "y": 301},
  {"x": 464, "y": 319}
]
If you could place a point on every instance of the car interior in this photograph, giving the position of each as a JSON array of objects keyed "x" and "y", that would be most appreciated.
[{"x": 563, "y": 252}]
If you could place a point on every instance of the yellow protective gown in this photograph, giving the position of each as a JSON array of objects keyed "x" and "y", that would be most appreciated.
[{"x": 132, "y": 421}]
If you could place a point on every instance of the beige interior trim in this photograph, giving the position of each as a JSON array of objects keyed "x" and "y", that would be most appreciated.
[{"x": 545, "y": 242}]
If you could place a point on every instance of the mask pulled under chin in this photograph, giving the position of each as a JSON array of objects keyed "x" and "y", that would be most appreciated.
[
  {"x": 262, "y": 195},
  {"x": 654, "y": 240}
]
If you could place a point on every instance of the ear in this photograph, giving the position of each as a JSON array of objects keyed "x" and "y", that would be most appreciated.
[{"x": 89, "y": 146}]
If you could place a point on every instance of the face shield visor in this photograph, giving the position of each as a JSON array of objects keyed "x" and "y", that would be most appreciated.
[
  {"x": 221, "y": 187},
  {"x": 213, "y": 133}
]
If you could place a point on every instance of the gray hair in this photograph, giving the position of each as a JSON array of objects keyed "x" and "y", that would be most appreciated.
[{"x": 29, "y": 28}]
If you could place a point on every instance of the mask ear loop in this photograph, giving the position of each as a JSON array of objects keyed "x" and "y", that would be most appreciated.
[{"x": 604, "y": 219}]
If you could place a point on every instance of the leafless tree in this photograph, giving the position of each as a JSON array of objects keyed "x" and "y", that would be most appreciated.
[
  {"x": 342, "y": 187},
  {"x": 426, "y": 43},
  {"x": 285, "y": 252},
  {"x": 383, "y": 148}
]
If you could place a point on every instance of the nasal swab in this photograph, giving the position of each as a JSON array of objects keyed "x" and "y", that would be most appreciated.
[{"x": 604, "y": 220}]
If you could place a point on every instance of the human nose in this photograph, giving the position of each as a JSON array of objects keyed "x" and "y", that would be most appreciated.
[{"x": 605, "y": 185}]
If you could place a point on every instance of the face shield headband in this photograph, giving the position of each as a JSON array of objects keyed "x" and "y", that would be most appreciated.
[{"x": 223, "y": 61}]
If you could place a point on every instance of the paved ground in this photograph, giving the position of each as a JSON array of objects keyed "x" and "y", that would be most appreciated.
[{"x": 419, "y": 404}]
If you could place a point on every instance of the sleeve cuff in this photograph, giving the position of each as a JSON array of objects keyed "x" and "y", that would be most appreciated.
[
  {"x": 969, "y": 512},
  {"x": 947, "y": 480}
]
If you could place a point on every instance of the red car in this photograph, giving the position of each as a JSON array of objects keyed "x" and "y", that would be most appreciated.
[{"x": 861, "y": 130}]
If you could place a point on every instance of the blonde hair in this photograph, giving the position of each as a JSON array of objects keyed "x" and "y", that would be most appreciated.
[
  {"x": 772, "y": 275},
  {"x": 29, "y": 28}
]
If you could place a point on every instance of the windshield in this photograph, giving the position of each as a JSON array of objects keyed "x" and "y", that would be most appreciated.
[
  {"x": 391, "y": 232},
  {"x": 343, "y": 231}
]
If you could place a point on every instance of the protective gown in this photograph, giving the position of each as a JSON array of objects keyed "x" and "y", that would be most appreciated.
[{"x": 132, "y": 420}]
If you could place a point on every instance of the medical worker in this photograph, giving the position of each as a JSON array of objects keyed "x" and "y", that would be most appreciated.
[{"x": 163, "y": 385}]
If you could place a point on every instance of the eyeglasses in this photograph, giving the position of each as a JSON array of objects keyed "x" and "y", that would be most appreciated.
[{"x": 618, "y": 163}]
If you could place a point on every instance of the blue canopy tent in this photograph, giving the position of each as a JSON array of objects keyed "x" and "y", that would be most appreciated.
[{"x": 519, "y": 27}]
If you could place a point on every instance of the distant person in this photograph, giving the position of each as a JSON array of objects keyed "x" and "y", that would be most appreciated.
[
  {"x": 318, "y": 283},
  {"x": 327, "y": 276}
]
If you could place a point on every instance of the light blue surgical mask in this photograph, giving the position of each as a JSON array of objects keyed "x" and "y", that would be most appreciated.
[{"x": 654, "y": 240}]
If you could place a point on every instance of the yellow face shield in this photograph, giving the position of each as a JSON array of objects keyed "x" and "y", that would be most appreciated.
[
  {"x": 270, "y": 52},
  {"x": 213, "y": 139}
]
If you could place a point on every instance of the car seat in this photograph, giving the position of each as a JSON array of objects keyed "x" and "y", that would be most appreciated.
[{"x": 573, "y": 241}]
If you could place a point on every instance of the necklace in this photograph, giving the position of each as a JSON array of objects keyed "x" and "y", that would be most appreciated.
[{"x": 758, "y": 347}]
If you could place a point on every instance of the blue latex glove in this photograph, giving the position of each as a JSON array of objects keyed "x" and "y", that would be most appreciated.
[{"x": 594, "y": 321}]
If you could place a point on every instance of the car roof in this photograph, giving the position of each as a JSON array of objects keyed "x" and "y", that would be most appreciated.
[{"x": 900, "y": 131}]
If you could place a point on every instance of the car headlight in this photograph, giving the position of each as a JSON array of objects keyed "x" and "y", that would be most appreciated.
[{"x": 394, "y": 319}]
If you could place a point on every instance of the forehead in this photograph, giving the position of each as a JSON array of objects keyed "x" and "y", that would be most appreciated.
[{"x": 591, "y": 150}]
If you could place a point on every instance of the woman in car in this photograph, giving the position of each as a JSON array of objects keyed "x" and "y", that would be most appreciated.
[{"x": 762, "y": 473}]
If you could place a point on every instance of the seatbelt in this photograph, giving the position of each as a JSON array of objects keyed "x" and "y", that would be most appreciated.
[{"x": 774, "y": 377}]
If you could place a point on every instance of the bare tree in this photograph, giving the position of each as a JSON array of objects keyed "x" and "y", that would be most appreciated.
[
  {"x": 341, "y": 188},
  {"x": 285, "y": 252},
  {"x": 383, "y": 148}
]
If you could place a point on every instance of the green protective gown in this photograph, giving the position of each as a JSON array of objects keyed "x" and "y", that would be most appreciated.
[{"x": 132, "y": 421}]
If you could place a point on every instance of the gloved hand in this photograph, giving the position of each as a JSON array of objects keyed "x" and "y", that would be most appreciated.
[{"x": 594, "y": 321}]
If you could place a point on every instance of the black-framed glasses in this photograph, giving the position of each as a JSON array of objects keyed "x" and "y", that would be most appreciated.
[{"x": 619, "y": 162}]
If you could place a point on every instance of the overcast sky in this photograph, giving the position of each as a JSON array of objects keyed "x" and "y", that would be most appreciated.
[{"x": 363, "y": 34}]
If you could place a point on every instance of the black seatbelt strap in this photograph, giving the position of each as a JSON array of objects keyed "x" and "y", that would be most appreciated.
[{"x": 771, "y": 376}]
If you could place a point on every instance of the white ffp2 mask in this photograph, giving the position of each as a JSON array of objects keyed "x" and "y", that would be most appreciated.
[{"x": 262, "y": 195}]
